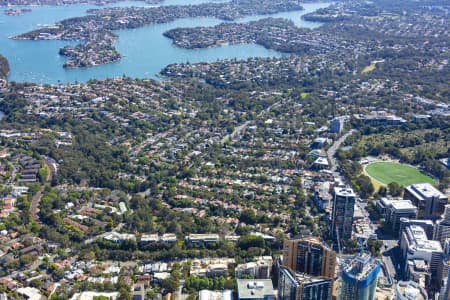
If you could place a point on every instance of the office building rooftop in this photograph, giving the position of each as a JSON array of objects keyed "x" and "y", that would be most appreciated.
[
  {"x": 424, "y": 191},
  {"x": 254, "y": 289},
  {"x": 402, "y": 205},
  {"x": 418, "y": 239},
  {"x": 344, "y": 192},
  {"x": 410, "y": 290}
]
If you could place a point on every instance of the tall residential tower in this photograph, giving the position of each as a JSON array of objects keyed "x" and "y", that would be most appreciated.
[
  {"x": 343, "y": 211},
  {"x": 299, "y": 286},
  {"x": 309, "y": 256}
]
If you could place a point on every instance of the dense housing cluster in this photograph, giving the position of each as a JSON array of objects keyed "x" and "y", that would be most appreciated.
[{"x": 259, "y": 178}]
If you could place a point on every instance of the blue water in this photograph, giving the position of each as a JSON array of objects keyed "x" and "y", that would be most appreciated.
[{"x": 146, "y": 51}]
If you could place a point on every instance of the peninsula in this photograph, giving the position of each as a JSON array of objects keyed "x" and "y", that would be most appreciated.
[
  {"x": 16, "y": 12},
  {"x": 95, "y": 30},
  {"x": 66, "y": 2},
  {"x": 277, "y": 34}
]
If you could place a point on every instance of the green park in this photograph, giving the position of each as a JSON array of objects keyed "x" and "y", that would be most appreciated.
[{"x": 387, "y": 172}]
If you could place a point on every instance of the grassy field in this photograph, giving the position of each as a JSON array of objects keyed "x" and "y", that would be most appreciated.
[
  {"x": 376, "y": 184},
  {"x": 368, "y": 68},
  {"x": 387, "y": 172}
]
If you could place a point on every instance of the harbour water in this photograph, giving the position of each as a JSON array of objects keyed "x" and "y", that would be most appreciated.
[{"x": 146, "y": 51}]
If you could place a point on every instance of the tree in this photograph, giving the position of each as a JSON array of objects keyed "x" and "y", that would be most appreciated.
[
  {"x": 43, "y": 174},
  {"x": 58, "y": 274},
  {"x": 26, "y": 259},
  {"x": 124, "y": 294},
  {"x": 248, "y": 216},
  {"x": 395, "y": 189},
  {"x": 375, "y": 247},
  {"x": 382, "y": 191},
  {"x": 249, "y": 241},
  {"x": 365, "y": 186},
  {"x": 230, "y": 284},
  {"x": 170, "y": 284}
]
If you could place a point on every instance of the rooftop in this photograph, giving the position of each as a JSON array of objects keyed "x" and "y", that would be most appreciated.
[
  {"x": 418, "y": 239},
  {"x": 344, "y": 192},
  {"x": 410, "y": 290},
  {"x": 115, "y": 236},
  {"x": 211, "y": 236},
  {"x": 420, "y": 265},
  {"x": 254, "y": 289},
  {"x": 215, "y": 295},
  {"x": 321, "y": 161},
  {"x": 417, "y": 232},
  {"x": 424, "y": 190},
  {"x": 361, "y": 266},
  {"x": 402, "y": 205},
  {"x": 30, "y": 293},
  {"x": 305, "y": 278}
]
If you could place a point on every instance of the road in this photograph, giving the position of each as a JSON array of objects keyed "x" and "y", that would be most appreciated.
[
  {"x": 239, "y": 129},
  {"x": 93, "y": 239},
  {"x": 389, "y": 256},
  {"x": 13, "y": 175},
  {"x": 38, "y": 196},
  {"x": 178, "y": 295},
  {"x": 151, "y": 140},
  {"x": 333, "y": 149},
  {"x": 390, "y": 251},
  {"x": 362, "y": 205},
  {"x": 235, "y": 132},
  {"x": 35, "y": 204}
]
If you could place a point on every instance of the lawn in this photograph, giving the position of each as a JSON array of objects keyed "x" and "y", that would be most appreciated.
[
  {"x": 387, "y": 172},
  {"x": 368, "y": 68}
]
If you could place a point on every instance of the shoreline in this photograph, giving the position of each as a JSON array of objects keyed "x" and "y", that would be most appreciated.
[
  {"x": 102, "y": 3},
  {"x": 154, "y": 68},
  {"x": 96, "y": 29}
]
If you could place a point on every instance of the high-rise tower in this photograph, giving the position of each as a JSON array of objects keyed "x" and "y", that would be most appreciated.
[
  {"x": 343, "y": 211},
  {"x": 309, "y": 256},
  {"x": 359, "y": 278}
]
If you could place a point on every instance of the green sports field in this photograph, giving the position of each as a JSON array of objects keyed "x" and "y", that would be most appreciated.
[{"x": 387, "y": 172}]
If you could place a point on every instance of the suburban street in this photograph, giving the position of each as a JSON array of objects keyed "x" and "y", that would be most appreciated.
[{"x": 332, "y": 150}]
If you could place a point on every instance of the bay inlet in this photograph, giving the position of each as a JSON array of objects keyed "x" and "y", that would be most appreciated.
[{"x": 146, "y": 51}]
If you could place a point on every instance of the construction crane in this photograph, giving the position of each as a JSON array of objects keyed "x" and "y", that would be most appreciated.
[
  {"x": 361, "y": 246},
  {"x": 338, "y": 241}
]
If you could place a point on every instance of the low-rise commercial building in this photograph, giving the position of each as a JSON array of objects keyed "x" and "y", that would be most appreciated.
[
  {"x": 427, "y": 225},
  {"x": 202, "y": 238},
  {"x": 322, "y": 196},
  {"x": 259, "y": 269},
  {"x": 394, "y": 210},
  {"x": 250, "y": 289},
  {"x": 414, "y": 244},
  {"x": 429, "y": 200}
]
